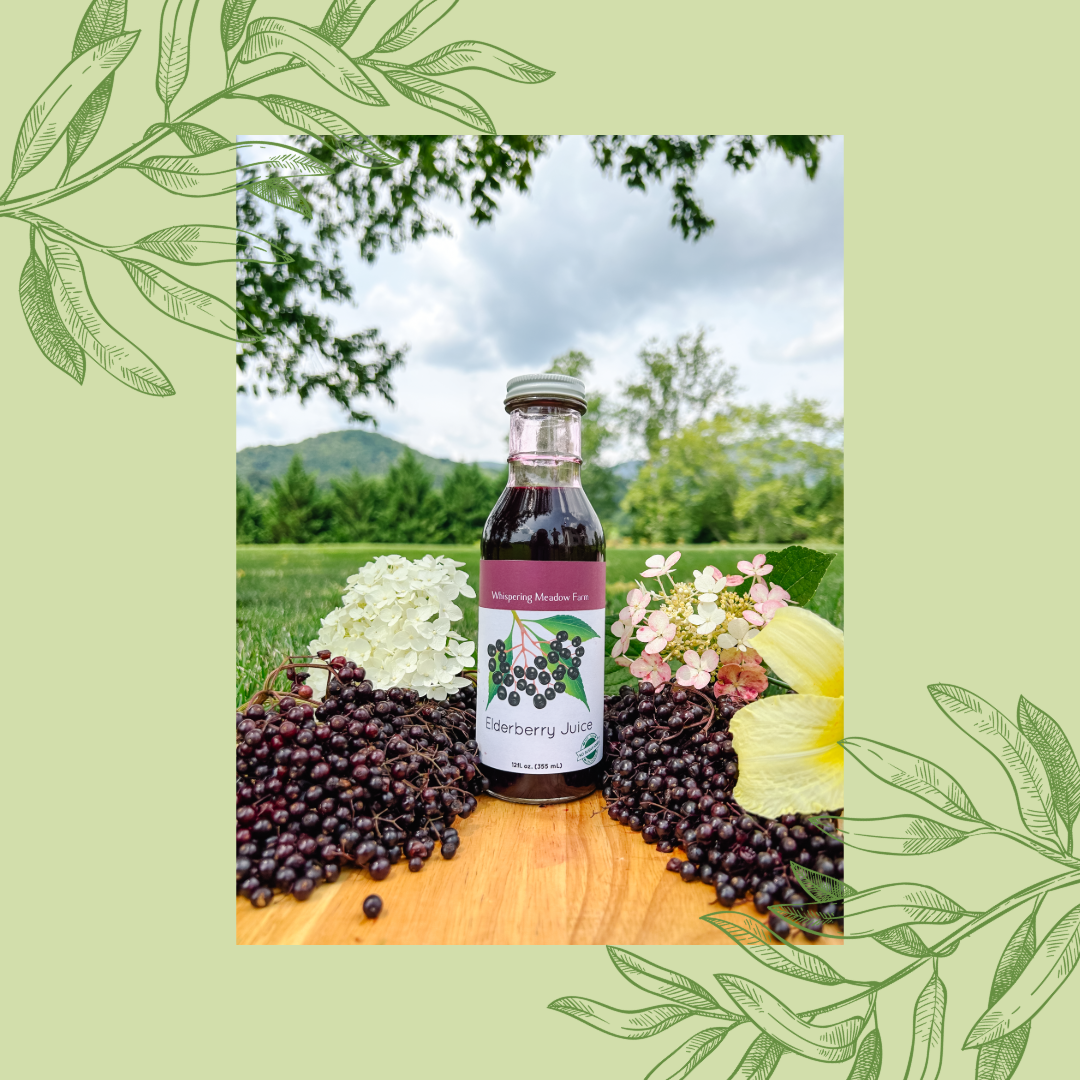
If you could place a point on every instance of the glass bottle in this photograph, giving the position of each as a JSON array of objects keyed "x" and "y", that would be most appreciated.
[{"x": 540, "y": 685}]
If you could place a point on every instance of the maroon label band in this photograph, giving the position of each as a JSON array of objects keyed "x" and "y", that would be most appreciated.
[{"x": 522, "y": 585}]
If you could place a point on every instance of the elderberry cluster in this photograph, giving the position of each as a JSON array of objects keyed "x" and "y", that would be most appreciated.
[
  {"x": 366, "y": 777},
  {"x": 551, "y": 670},
  {"x": 671, "y": 771}
]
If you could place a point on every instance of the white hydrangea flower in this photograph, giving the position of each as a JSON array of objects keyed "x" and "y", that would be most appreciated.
[{"x": 395, "y": 622}]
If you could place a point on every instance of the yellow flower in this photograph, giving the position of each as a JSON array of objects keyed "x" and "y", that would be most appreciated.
[{"x": 789, "y": 760}]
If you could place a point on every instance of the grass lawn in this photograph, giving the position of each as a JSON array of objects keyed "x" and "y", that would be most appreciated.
[{"x": 284, "y": 590}]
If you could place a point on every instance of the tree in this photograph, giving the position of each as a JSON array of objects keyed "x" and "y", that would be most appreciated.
[
  {"x": 295, "y": 350},
  {"x": 467, "y": 499},
  {"x": 679, "y": 385},
  {"x": 354, "y": 505},
  {"x": 686, "y": 491},
  {"x": 411, "y": 508},
  {"x": 249, "y": 515},
  {"x": 298, "y": 511}
]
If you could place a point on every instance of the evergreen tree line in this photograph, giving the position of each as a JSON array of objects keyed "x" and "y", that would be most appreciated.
[
  {"x": 711, "y": 470},
  {"x": 402, "y": 507}
]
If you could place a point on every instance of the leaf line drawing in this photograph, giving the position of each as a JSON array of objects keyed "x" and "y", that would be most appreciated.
[
  {"x": 64, "y": 320},
  {"x": 1042, "y": 769}
]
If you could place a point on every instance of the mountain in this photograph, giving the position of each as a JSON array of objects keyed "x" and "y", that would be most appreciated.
[{"x": 333, "y": 456}]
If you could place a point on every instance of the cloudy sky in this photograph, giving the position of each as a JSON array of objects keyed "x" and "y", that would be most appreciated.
[{"x": 583, "y": 263}]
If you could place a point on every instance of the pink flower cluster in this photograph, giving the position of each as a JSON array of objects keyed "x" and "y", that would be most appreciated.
[{"x": 735, "y": 672}]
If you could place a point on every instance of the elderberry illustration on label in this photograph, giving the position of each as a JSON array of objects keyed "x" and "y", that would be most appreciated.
[{"x": 540, "y": 688}]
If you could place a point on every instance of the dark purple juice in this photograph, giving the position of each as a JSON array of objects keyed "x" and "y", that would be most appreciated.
[{"x": 543, "y": 524}]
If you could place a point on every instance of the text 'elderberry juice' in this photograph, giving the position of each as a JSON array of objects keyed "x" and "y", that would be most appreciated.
[{"x": 540, "y": 658}]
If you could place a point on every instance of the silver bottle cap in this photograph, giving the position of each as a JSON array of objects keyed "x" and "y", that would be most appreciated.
[{"x": 547, "y": 387}]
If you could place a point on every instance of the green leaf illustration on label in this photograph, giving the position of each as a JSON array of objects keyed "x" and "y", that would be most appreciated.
[
  {"x": 571, "y": 625},
  {"x": 436, "y": 96}
]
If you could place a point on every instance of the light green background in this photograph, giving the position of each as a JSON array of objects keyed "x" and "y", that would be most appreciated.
[{"x": 961, "y": 392}]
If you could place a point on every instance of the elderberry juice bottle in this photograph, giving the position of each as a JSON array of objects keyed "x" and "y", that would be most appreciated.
[{"x": 540, "y": 684}]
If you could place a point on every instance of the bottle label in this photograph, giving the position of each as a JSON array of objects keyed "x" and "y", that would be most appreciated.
[{"x": 540, "y": 665}]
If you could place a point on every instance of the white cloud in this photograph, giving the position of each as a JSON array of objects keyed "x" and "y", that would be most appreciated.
[{"x": 582, "y": 262}]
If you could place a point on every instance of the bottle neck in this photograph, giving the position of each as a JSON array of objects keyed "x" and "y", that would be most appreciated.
[{"x": 545, "y": 446}]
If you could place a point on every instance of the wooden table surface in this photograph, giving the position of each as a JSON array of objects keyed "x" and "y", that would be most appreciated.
[{"x": 524, "y": 875}]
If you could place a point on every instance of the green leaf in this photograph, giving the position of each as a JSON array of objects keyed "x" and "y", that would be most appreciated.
[
  {"x": 571, "y": 624},
  {"x": 234, "y": 17},
  {"x": 278, "y": 191},
  {"x": 50, "y": 115},
  {"x": 867, "y": 1064},
  {"x": 871, "y": 911},
  {"x": 824, "y": 1042},
  {"x": 664, "y": 982},
  {"x": 202, "y": 245},
  {"x": 902, "y": 834},
  {"x": 341, "y": 20},
  {"x": 420, "y": 18},
  {"x": 1057, "y": 756},
  {"x": 799, "y": 570},
  {"x": 995, "y": 732},
  {"x": 903, "y": 940},
  {"x": 48, "y": 329},
  {"x": 201, "y": 140},
  {"x": 347, "y": 141},
  {"x": 1016, "y": 956},
  {"x": 684, "y": 1059},
  {"x": 1051, "y": 964},
  {"x": 912, "y": 774},
  {"x": 435, "y": 95},
  {"x": 622, "y": 1023},
  {"x": 479, "y": 56},
  {"x": 181, "y": 301},
  {"x": 756, "y": 939},
  {"x": 203, "y": 175},
  {"x": 760, "y": 1060},
  {"x": 103, "y": 19},
  {"x": 615, "y": 675},
  {"x": 575, "y": 688},
  {"x": 267, "y": 36},
  {"x": 924, "y": 1061},
  {"x": 87, "y": 121},
  {"x": 109, "y": 348},
  {"x": 999, "y": 1060},
  {"x": 174, "y": 48},
  {"x": 821, "y": 887}
]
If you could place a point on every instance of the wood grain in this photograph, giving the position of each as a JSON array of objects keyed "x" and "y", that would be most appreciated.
[{"x": 524, "y": 875}]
